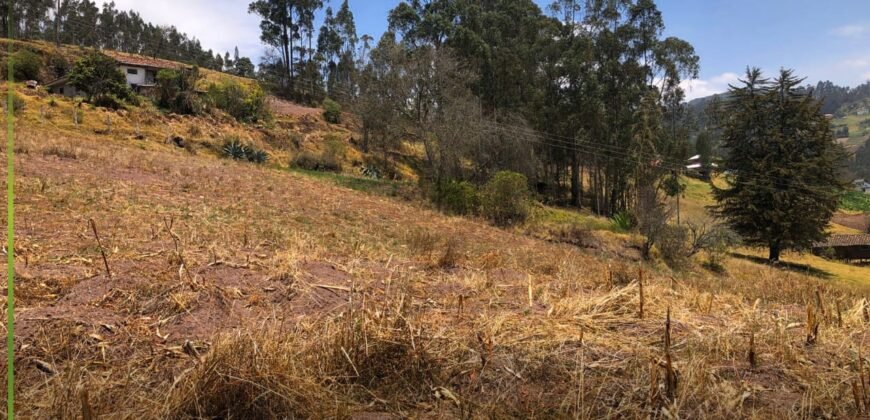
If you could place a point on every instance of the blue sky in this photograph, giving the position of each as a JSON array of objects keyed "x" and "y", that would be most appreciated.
[{"x": 820, "y": 40}]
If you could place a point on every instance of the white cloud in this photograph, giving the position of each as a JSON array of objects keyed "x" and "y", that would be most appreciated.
[
  {"x": 699, "y": 88},
  {"x": 854, "y": 70},
  {"x": 220, "y": 25},
  {"x": 851, "y": 31},
  {"x": 857, "y": 62}
]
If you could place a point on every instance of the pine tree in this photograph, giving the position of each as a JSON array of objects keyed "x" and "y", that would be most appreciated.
[{"x": 784, "y": 165}]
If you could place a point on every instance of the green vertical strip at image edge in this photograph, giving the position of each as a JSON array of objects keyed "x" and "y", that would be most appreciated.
[{"x": 10, "y": 231}]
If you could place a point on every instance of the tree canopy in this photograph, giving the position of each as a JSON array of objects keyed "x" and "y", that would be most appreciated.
[{"x": 784, "y": 182}]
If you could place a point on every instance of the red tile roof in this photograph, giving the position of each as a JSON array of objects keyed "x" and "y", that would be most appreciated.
[
  {"x": 140, "y": 61},
  {"x": 844, "y": 240}
]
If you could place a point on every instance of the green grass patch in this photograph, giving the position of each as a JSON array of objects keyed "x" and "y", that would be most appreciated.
[
  {"x": 857, "y": 131},
  {"x": 856, "y": 201},
  {"x": 556, "y": 217},
  {"x": 697, "y": 190},
  {"x": 382, "y": 187}
]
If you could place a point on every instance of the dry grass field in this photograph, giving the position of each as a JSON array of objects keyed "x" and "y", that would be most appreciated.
[{"x": 161, "y": 282}]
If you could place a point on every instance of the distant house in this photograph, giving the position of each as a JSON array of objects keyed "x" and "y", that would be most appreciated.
[
  {"x": 845, "y": 247},
  {"x": 862, "y": 185},
  {"x": 695, "y": 168},
  {"x": 141, "y": 73}
]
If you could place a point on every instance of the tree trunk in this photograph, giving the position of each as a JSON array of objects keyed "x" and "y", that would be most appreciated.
[
  {"x": 575, "y": 180},
  {"x": 774, "y": 252},
  {"x": 291, "y": 45},
  {"x": 285, "y": 52},
  {"x": 57, "y": 25}
]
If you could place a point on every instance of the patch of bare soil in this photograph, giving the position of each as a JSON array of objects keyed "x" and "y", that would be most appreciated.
[
  {"x": 855, "y": 221},
  {"x": 286, "y": 108}
]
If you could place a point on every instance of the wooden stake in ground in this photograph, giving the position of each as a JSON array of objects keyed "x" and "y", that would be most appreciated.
[
  {"x": 640, "y": 290},
  {"x": 531, "y": 295},
  {"x": 866, "y": 311},
  {"x": 812, "y": 325},
  {"x": 670, "y": 373},
  {"x": 839, "y": 315},
  {"x": 100, "y": 244},
  {"x": 857, "y": 396},
  {"x": 87, "y": 410},
  {"x": 653, "y": 384},
  {"x": 864, "y": 396},
  {"x": 752, "y": 359}
]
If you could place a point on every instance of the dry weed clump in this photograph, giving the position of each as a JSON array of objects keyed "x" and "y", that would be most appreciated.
[{"x": 259, "y": 374}]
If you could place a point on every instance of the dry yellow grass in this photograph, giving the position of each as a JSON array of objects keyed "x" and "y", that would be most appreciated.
[{"x": 240, "y": 291}]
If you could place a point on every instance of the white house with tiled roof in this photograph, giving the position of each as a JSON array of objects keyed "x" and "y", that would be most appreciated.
[{"x": 141, "y": 72}]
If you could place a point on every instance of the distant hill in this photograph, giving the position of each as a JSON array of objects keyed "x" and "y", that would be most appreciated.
[
  {"x": 849, "y": 105},
  {"x": 840, "y": 100}
]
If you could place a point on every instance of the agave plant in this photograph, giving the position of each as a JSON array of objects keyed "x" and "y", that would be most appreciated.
[
  {"x": 236, "y": 150},
  {"x": 370, "y": 171},
  {"x": 257, "y": 156},
  {"x": 623, "y": 221}
]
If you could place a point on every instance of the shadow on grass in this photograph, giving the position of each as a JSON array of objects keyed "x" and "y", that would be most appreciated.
[{"x": 788, "y": 266}]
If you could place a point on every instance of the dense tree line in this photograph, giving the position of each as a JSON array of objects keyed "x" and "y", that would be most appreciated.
[
  {"x": 306, "y": 63},
  {"x": 834, "y": 97},
  {"x": 84, "y": 23},
  {"x": 584, "y": 100}
]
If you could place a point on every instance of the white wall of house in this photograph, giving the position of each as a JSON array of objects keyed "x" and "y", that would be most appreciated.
[
  {"x": 66, "y": 90},
  {"x": 135, "y": 75}
]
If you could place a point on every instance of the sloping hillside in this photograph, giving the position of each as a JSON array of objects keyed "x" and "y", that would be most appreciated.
[
  {"x": 156, "y": 281},
  {"x": 63, "y": 56}
]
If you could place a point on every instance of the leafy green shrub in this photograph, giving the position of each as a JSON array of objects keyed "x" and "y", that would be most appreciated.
[
  {"x": 97, "y": 75},
  {"x": 505, "y": 198},
  {"x": 246, "y": 105},
  {"x": 623, "y": 221},
  {"x": 856, "y": 201},
  {"x": 316, "y": 162},
  {"x": 673, "y": 247},
  {"x": 58, "y": 65},
  {"x": 457, "y": 197},
  {"x": 26, "y": 65},
  {"x": 108, "y": 101},
  {"x": 176, "y": 91},
  {"x": 331, "y": 111},
  {"x": 235, "y": 149}
]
